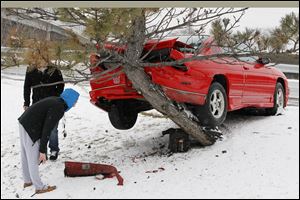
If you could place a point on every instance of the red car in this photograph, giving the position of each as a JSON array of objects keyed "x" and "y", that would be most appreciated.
[{"x": 209, "y": 88}]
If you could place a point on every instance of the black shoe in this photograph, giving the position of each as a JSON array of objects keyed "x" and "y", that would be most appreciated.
[{"x": 53, "y": 155}]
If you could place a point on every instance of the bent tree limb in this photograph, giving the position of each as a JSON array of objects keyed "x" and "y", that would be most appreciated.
[{"x": 153, "y": 93}]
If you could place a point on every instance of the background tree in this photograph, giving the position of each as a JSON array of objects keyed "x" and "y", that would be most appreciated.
[
  {"x": 278, "y": 40},
  {"x": 289, "y": 26}
]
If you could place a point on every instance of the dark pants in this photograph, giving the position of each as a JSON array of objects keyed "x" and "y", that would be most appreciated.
[{"x": 53, "y": 140}]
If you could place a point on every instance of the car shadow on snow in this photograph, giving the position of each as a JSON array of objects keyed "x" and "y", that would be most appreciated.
[
  {"x": 156, "y": 145},
  {"x": 234, "y": 119},
  {"x": 243, "y": 116}
]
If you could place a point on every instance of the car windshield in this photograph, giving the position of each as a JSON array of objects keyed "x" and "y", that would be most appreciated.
[
  {"x": 241, "y": 49},
  {"x": 238, "y": 49},
  {"x": 194, "y": 40},
  {"x": 201, "y": 44}
]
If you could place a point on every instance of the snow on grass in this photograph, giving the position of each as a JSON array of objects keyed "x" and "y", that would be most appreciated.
[{"x": 258, "y": 157}]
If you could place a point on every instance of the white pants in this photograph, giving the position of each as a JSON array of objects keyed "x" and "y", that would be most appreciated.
[{"x": 30, "y": 159}]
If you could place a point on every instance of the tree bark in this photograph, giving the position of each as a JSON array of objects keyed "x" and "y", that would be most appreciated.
[{"x": 153, "y": 93}]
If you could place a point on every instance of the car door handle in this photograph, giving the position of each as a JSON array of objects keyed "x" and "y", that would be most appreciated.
[{"x": 246, "y": 68}]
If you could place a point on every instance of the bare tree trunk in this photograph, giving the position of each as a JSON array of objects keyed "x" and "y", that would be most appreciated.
[
  {"x": 295, "y": 45},
  {"x": 154, "y": 94}
]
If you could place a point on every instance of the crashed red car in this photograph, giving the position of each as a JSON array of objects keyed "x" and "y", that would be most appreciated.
[{"x": 209, "y": 88}]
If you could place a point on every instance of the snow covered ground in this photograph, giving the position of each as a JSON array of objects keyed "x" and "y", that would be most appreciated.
[{"x": 258, "y": 157}]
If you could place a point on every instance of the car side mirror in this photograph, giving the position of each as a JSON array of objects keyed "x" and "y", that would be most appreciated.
[{"x": 264, "y": 60}]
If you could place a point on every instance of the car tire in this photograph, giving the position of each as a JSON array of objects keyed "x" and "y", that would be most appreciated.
[
  {"x": 279, "y": 101},
  {"x": 214, "y": 111},
  {"x": 120, "y": 118}
]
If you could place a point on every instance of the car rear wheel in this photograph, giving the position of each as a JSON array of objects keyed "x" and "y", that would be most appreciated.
[
  {"x": 278, "y": 101},
  {"x": 121, "y": 118},
  {"x": 214, "y": 111}
]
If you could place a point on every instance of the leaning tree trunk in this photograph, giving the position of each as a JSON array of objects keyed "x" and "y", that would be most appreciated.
[{"x": 153, "y": 93}]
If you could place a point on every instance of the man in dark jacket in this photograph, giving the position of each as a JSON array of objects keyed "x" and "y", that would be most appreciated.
[
  {"x": 36, "y": 125},
  {"x": 44, "y": 75}
]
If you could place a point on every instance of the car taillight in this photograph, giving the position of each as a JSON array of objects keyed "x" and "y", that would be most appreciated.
[
  {"x": 94, "y": 59},
  {"x": 95, "y": 69}
]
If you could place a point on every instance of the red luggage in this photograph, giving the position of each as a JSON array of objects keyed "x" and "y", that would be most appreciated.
[{"x": 75, "y": 169}]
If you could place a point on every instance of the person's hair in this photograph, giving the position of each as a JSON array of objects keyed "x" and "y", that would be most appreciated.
[{"x": 39, "y": 55}]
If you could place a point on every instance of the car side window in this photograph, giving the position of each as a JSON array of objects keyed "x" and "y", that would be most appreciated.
[{"x": 250, "y": 59}]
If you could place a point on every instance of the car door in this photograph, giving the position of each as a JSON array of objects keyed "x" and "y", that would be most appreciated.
[
  {"x": 234, "y": 73},
  {"x": 259, "y": 83}
]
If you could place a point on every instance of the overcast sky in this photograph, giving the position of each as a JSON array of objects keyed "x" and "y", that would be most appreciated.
[{"x": 264, "y": 17}]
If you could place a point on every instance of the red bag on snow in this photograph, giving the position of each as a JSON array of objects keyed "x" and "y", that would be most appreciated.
[{"x": 75, "y": 169}]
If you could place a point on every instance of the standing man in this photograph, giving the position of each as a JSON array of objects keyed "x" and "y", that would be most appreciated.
[
  {"x": 36, "y": 125},
  {"x": 44, "y": 74}
]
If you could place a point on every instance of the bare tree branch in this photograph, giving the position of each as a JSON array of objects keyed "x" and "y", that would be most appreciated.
[{"x": 196, "y": 19}]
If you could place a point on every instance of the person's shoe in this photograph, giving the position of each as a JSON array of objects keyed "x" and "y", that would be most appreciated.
[
  {"x": 53, "y": 155},
  {"x": 47, "y": 189},
  {"x": 27, "y": 185}
]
